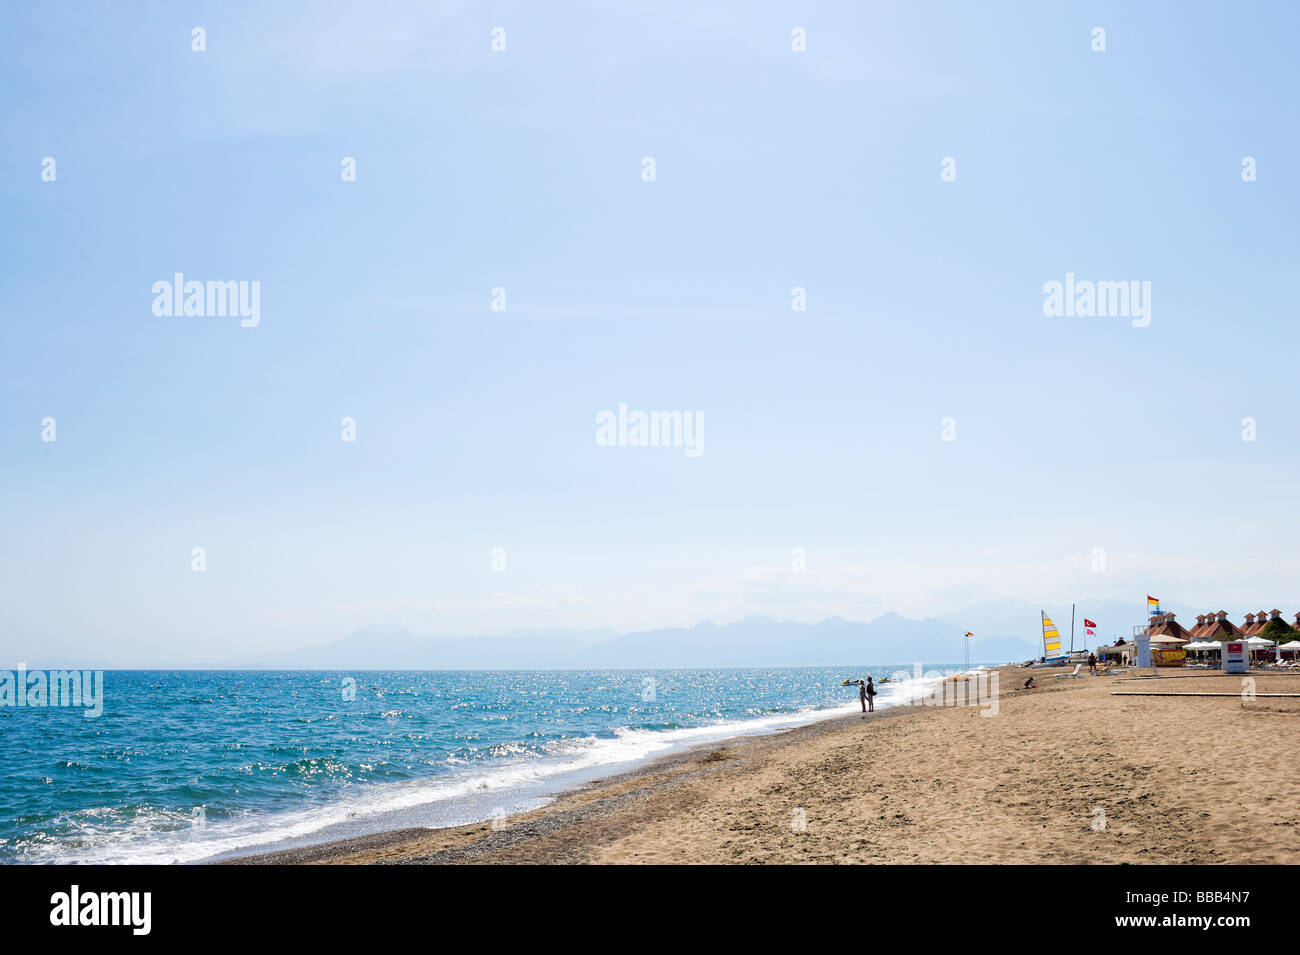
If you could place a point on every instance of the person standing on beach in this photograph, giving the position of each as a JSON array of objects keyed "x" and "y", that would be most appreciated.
[
  {"x": 869, "y": 694},
  {"x": 862, "y": 694},
  {"x": 1092, "y": 663}
]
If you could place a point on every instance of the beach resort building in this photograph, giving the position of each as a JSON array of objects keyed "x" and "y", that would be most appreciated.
[
  {"x": 1261, "y": 623},
  {"x": 1212, "y": 626},
  {"x": 1164, "y": 625},
  {"x": 1255, "y": 622},
  {"x": 1218, "y": 627},
  {"x": 1267, "y": 634}
]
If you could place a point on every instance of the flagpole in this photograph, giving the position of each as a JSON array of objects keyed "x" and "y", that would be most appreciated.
[{"x": 1071, "y": 628}]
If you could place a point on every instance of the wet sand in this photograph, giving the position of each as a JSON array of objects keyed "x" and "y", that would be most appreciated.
[{"x": 1068, "y": 773}]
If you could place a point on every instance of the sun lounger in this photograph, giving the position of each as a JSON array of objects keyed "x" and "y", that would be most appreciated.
[{"x": 1078, "y": 672}]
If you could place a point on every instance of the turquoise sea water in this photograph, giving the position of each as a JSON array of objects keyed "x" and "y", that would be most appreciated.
[{"x": 186, "y": 765}]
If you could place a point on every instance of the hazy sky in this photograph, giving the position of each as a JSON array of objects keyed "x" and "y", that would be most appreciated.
[{"x": 523, "y": 170}]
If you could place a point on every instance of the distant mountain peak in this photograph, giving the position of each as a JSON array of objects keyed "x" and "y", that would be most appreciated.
[{"x": 756, "y": 641}]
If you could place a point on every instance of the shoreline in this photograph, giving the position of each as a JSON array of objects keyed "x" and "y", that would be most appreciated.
[
  {"x": 1067, "y": 773},
  {"x": 478, "y": 807},
  {"x": 569, "y": 800},
  {"x": 578, "y": 780}
]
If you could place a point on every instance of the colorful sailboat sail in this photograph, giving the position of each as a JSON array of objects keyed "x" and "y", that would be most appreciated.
[{"x": 1051, "y": 637}]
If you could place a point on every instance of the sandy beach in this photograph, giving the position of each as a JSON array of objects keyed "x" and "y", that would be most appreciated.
[{"x": 1068, "y": 773}]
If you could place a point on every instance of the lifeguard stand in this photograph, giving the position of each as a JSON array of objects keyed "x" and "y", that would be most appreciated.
[{"x": 1142, "y": 649}]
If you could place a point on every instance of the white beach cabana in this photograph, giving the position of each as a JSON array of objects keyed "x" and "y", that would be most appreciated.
[
  {"x": 1257, "y": 644},
  {"x": 1201, "y": 647}
]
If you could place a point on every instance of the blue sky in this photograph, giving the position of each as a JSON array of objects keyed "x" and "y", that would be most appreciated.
[{"x": 522, "y": 170}]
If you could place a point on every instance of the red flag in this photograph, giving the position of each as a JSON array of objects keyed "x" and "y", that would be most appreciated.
[{"x": 1088, "y": 623}]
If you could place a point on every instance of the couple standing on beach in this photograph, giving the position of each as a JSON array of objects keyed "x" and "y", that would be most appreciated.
[{"x": 867, "y": 694}]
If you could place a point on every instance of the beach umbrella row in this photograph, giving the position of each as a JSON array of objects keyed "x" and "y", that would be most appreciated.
[{"x": 1255, "y": 643}]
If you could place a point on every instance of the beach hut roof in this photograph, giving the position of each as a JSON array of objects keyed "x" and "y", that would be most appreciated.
[
  {"x": 1165, "y": 625},
  {"x": 1219, "y": 627}
]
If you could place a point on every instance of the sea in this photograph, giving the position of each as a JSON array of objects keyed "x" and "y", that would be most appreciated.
[{"x": 189, "y": 766}]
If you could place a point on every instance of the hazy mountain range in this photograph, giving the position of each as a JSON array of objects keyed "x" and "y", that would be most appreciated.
[{"x": 1005, "y": 631}]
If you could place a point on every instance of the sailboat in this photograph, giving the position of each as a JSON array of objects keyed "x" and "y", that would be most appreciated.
[{"x": 1053, "y": 655}]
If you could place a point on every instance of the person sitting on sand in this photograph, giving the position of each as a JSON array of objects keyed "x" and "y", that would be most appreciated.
[
  {"x": 1030, "y": 684},
  {"x": 869, "y": 691}
]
